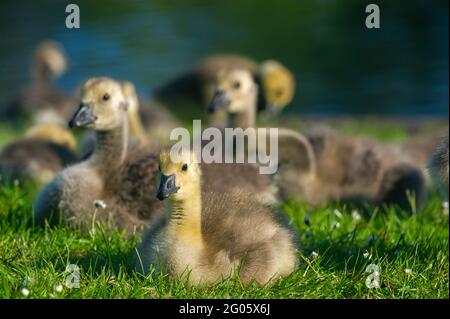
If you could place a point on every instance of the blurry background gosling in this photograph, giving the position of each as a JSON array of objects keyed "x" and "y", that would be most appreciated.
[
  {"x": 38, "y": 156},
  {"x": 41, "y": 101},
  {"x": 190, "y": 94}
]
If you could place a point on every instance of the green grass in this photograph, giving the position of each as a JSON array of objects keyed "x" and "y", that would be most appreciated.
[
  {"x": 410, "y": 251},
  {"x": 36, "y": 258}
]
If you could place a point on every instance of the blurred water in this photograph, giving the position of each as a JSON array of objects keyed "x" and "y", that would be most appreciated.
[{"x": 341, "y": 67}]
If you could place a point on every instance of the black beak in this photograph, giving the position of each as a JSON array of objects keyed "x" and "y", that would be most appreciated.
[
  {"x": 83, "y": 116},
  {"x": 219, "y": 101},
  {"x": 167, "y": 187}
]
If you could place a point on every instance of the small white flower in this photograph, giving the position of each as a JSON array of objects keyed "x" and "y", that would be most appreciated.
[
  {"x": 25, "y": 292},
  {"x": 313, "y": 255},
  {"x": 367, "y": 255},
  {"x": 356, "y": 216},
  {"x": 337, "y": 213},
  {"x": 58, "y": 288},
  {"x": 408, "y": 271},
  {"x": 98, "y": 203}
]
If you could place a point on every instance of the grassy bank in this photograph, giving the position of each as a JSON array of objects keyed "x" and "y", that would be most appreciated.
[{"x": 337, "y": 245}]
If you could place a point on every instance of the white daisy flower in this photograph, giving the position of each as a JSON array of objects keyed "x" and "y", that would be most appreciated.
[
  {"x": 356, "y": 216},
  {"x": 336, "y": 225},
  {"x": 408, "y": 271},
  {"x": 58, "y": 288},
  {"x": 25, "y": 292},
  {"x": 98, "y": 203},
  {"x": 313, "y": 255},
  {"x": 367, "y": 255}
]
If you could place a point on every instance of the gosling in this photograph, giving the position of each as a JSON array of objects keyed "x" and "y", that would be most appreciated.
[
  {"x": 38, "y": 156},
  {"x": 277, "y": 85},
  {"x": 113, "y": 174},
  {"x": 206, "y": 236},
  {"x": 41, "y": 101},
  {"x": 323, "y": 166}
]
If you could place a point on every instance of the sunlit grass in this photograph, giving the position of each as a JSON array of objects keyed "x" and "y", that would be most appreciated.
[{"x": 336, "y": 245}]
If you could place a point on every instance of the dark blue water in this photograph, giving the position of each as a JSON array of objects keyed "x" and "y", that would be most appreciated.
[{"x": 340, "y": 65}]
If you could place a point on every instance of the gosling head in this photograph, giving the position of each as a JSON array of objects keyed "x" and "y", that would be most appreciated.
[
  {"x": 103, "y": 105},
  {"x": 234, "y": 90},
  {"x": 277, "y": 86},
  {"x": 49, "y": 60},
  {"x": 180, "y": 177}
]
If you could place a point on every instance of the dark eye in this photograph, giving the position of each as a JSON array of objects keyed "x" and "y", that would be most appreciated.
[
  {"x": 106, "y": 97},
  {"x": 236, "y": 85},
  {"x": 159, "y": 168},
  {"x": 279, "y": 92},
  {"x": 185, "y": 167}
]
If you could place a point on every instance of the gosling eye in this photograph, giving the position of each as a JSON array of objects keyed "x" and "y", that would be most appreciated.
[
  {"x": 279, "y": 92},
  {"x": 106, "y": 97},
  {"x": 184, "y": 167},
  {"x": 236, "y": 85}
]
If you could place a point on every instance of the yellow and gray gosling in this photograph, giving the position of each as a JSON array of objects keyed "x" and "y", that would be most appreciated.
[
  {"x": 205, "y": 236},
  {"x": 190, "y": 93},
  {"x": 119, "y": 177},
  {"x": 38, "y": 156}
]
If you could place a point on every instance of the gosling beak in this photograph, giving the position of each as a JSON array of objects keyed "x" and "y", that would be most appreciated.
[
  {"x": 83, "y": 116},
  {"x": 167, "y": 187},
  {"x": 220, "y": 100}
]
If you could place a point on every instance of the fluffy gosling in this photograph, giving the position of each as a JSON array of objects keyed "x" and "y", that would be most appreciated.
[
  {"x": 114, "y": 174},
  {"x": 41, "y": 154},
  {"x": 41, "y": 101},
  {"x": 205, "y": 236}
]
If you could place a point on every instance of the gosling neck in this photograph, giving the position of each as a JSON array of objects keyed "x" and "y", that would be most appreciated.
[
  {"x": 111, "y": 149},
  {"x": 185, "y": 216},
  {"x": 41, "y": 74},
  {"x": 243, "y": 119}
]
